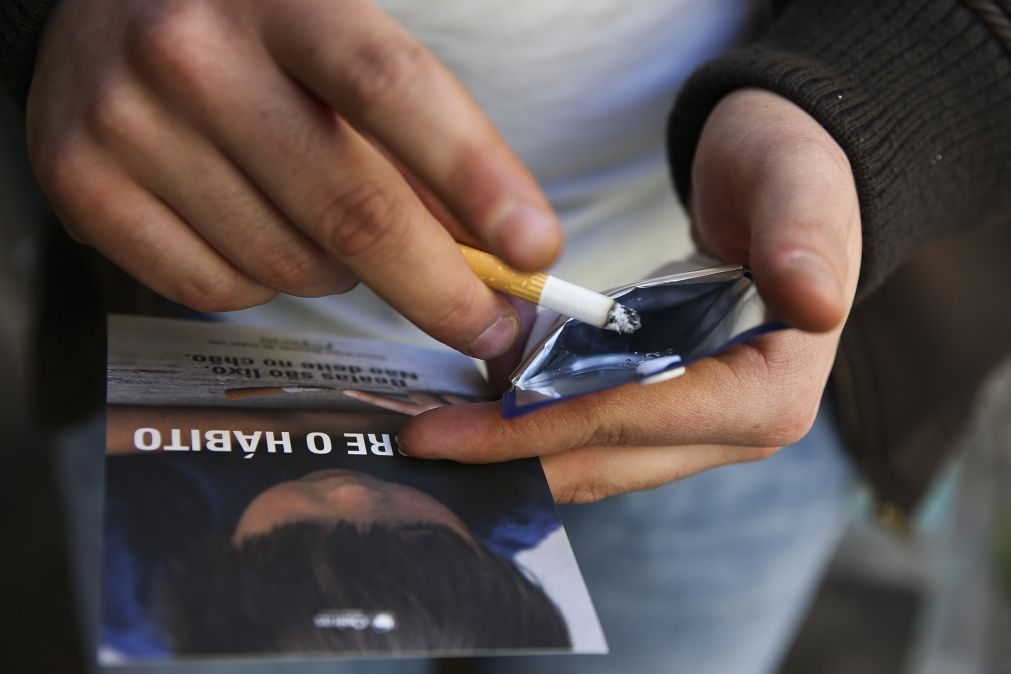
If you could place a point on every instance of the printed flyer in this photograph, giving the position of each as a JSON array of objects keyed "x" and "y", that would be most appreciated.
[{"x": 257, "y": 507}]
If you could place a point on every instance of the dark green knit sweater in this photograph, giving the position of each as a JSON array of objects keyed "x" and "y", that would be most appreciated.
[
  {"x": 918, "y": 94},
  {"x": 21, "y": 24}
]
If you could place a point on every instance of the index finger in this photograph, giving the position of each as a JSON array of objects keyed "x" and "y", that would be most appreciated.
[
  {"x": 361, "y": 63},
  {"x": 762, "y": 394}
]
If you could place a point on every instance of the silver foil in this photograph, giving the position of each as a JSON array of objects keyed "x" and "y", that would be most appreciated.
[{"x": 690, "y": 310}]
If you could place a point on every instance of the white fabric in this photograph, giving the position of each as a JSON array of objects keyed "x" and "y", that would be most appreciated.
[{"x": 581, "y": 90}]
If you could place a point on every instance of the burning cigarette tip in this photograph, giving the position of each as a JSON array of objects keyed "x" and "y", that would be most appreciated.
[{"x": 623, "y": 320}]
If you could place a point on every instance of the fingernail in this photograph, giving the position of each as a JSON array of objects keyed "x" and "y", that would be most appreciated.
[
  {"x": 496, "y": 339},
  {"x": 401, "y": 446},
  {"x": 524, "y": 232},
  {"x": 817, "y": 272}
]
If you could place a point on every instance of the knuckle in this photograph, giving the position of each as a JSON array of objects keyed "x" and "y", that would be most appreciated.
[
  {"x": 456, "y": 306},
  {"x": 590, "y": 490},
  {"x": 800, "y": 422},
  {"x": 289, "y": 269},
  {"x": 363, "y": 222},
  {"x": 603, "y": 428},
  {"x": 115, "y": 112},
  {"x": 172, "y": 39},
  {"x": 471, "y": 165},
  {"x": 60, "y": 170},
  {"x": 613, "y": 432},
  {"x": 787, "y": 428},
  {"x": 379, "y": 69},
  {"x": 792, "y": 387},
  {"x": 212, "y": 292}
]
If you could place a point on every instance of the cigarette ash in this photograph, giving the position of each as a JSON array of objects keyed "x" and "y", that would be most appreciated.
[{"x": 623, "y": 320}]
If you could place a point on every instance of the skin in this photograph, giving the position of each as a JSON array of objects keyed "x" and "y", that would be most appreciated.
[
  {"x": 774, "y": 191},
  {"x": 336, "y": 495},
  {"x": 224, "y": 152}
]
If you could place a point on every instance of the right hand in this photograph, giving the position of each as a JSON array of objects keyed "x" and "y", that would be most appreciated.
[{"x": 222, "y": 152}]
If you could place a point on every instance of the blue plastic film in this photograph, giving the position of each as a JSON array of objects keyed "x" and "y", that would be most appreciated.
[{"x": 688, "y": 313}]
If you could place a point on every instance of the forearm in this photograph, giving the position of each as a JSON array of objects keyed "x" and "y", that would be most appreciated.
[
  {"x": 917, "y": 94},
  {"x": 21, "y": 24}
]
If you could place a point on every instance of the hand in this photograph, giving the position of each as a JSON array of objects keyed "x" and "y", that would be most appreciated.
[
  {"x": 223, "y": 152},
  {"x": 413, "y": 404},
  {"x": 774, "y": 191}
]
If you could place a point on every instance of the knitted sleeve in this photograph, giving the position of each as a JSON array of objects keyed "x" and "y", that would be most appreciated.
[
  {"x": 21, "y": 24},
  {"x": 917, "y": 93}
]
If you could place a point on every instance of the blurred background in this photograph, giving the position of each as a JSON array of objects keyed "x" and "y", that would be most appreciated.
[
  {"x": 929, "y": 596},
  {"x": 38, "y": 615}
]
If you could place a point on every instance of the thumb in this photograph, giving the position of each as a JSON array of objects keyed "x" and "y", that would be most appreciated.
[
  {"x": 805, "y": 233},
  {"x": 500, "y": 368},
  {"x": 773, "y": 189}
]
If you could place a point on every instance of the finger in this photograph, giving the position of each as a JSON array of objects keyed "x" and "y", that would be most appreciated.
[
  {"x": 428, "y": 198},
  {"x": 334, "y": 186},
  {"x": 453, "y": 399},
  {"x": 588, "y": 474},
  {"x": 143, "y": 236},
  {"x": 213, "y": 196},
  {"x": 773, "y": 190},
  {"x": 501, "y": 368},
  {"x": 391, "y": 404},
  {"x": 805, "y": 235},
  {"x": 385, "y": 82},
  {"x": 761, "y": 394},
  {"x": 426, "y": 401}
]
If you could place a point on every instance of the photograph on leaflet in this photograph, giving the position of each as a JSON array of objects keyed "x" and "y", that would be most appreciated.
[{"x": 256, "y": 506}]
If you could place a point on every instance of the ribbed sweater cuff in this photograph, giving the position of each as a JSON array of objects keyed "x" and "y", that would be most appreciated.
[
  {"x": 918, "y": 94},
  {"x": 21, "y": 23}
]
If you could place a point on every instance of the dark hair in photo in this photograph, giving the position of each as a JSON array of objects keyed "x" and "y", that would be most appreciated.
[{"x": 323, "y": 587}]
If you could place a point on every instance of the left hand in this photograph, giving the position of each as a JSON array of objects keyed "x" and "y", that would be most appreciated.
[{"x": 773, "y": 191}]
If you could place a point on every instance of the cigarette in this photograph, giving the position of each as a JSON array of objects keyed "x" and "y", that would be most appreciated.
[{"x": 550, "y": 292}]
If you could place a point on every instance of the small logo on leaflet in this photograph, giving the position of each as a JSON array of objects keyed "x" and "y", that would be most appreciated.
[{"x": 355, "y": 619}]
